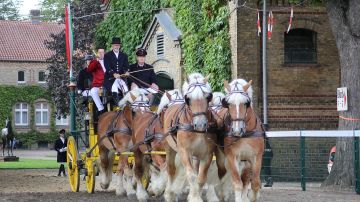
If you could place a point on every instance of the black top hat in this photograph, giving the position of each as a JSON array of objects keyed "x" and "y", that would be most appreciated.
[
  {"x": 141, "y": 52},
  {"x": 115, "y": 40},
  {"x": 62, "y": 131}
]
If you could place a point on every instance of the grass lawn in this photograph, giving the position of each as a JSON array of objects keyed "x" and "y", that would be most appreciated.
[{"x": 29, "y": 163}]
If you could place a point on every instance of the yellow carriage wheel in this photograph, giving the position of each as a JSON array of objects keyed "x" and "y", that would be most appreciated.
[
  {"x": 72, "y": 167},
  {"x": 90, "y": 176}
]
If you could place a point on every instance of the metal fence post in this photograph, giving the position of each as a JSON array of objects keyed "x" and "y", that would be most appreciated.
[
  {"x": 356, "y": 164},
  {"x": 302, "y": 155}
]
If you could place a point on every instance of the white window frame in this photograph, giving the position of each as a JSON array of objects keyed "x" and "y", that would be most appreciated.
[
  {"x": 21, "y": 82},
  {"x": 21, "y": 110},
  {"x": 156, "y": 40},
  {"x": 62, "y": 121},
  {"x": 39, "y": 77},
  {"x": 42, "y": 110}
]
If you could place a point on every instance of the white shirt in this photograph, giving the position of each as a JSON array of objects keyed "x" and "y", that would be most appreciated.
[
  {"x": 102, "y": 65},
  {"x": 116, "y": 54},
  {"x": 62, "y": 139}
]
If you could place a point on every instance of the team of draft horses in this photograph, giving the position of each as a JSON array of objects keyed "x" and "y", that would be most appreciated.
[{"x": 192, "y": 126}]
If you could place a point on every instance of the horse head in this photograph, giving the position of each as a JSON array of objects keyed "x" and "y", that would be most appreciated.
[
  {"x": 198, "y": 94},
  {"x": 238, "y": 101}
]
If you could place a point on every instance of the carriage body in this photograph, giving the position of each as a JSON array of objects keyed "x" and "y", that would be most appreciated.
[{"x": 83, "y": 151}]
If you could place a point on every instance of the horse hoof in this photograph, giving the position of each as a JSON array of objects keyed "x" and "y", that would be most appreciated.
[
  {"x": 104, "y": 186},
  {"x": 120, "y": 192}
]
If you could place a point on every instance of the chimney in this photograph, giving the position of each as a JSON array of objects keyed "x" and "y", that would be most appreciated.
[{"x": 35, "y": 16}]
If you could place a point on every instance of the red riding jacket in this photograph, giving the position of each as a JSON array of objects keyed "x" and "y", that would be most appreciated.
[{"x": 97, "y": 72}]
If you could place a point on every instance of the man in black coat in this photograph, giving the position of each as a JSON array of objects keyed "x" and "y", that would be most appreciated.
[
  {"x": 116, "y": 64},
  {"x": 61, "y": 147},
  {"x": 84, "y": 79},
  {"x": 145, "y": 77}
]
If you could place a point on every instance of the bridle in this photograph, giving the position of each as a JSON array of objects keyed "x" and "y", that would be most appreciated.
[{"x": 191, "y": 89}]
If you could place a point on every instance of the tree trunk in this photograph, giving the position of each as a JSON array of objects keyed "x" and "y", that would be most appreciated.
[{"x": 345, "y": 24}]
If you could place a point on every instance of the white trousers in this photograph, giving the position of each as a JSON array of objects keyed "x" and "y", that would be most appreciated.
[
  {"x": 147, "y": 90},
  {"x": 85, "y": 93},
  {"x": 94, "y": 92},
  {"x": 119, "y": 84}
]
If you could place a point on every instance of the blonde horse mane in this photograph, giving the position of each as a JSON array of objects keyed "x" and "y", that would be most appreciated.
[
  {"x": 237, "y": 98},
  {"x": 165, "y": 101}
]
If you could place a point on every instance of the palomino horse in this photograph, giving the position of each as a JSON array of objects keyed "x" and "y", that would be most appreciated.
[
  {"x": 146, "y": 136},
  {"x": 116, "y": 124},
  {"x": 193, "y": 122},
  {"x": 244, "y": 139}
]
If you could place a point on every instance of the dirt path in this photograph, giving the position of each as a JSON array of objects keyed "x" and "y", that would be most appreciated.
[{"x": 44, "y": 185}]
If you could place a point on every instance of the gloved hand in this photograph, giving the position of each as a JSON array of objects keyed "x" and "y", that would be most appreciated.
[
  {"x": 65, "y": 149},
  {"x": 61, "y": 150},
  {"x": 79, "y": 91}
]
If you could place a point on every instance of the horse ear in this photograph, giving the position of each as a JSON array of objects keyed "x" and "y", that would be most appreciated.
[
  {"x": 247, "y": 86},
  {"x": 227, "y": 86},
  {"x": 168, "y": 95},
  {"x": 133, "y": 98},
  {"x": 207, "y": 78}
]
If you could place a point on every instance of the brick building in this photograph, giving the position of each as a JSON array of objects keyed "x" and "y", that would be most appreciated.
[
  {"x": 303, "y": 71},
  {"x": 162, "y": 42},
  {"x": 23, "y": 63}
]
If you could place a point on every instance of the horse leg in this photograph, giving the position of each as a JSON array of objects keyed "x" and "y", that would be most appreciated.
[
  {"x": 4, "y": 145},
  {"x": 169, "y": 194},
  {"x": 141, "y": 193},
  {"x": 255, "y": 181},
  {"x": 194, "y": 194},
  {"x": 105, "y": 167},
  {"x": 158, "y": 176},
  {"x": 219, "y": 187},
  {"x": 245, "y": 178},
  {"x": 120, "y": 191},
  {"x": 235, "y": 170}
]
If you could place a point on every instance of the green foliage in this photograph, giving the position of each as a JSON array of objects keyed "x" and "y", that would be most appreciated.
[
  {"x": 28, "y": 94},
  {"x": 129, "y": 26},
  {"x": 204, "y": 25},
  {"x": 206, "y": 40},
  {"x": 9, "y": 9},
  {"x": 52, "y": 10}
]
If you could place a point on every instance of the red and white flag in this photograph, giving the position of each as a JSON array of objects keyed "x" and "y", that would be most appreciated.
[
  {"x": 290, "y": 21},
  {"x": 69, "y": 38},
  {"x": 258, "y": 23},
  {"x": 270, "y": 24}
]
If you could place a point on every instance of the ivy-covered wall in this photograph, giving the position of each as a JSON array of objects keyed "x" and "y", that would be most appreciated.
[
  {"x": 204, "y": 25},
  {"x": 10, "y": 95}
]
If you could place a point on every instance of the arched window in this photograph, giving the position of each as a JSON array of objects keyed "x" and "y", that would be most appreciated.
[
  {"x": 42, "y": 77},
  {"x": 21, "y": 77},
  {"x": 21, "y": 114},
  {"x": 300, "y": 47}
]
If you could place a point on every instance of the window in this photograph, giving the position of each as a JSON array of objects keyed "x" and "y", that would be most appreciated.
[
  {"x": 62, "y": 121},
  {"x": 300, "y": 46},
  {"x": 42, "y": 77},
  {"x": 21, "y": 114},
  {"x": 41, "y": 114},
  {"x": 21, "y": 77},
  {"x": 160, "y": 45}
]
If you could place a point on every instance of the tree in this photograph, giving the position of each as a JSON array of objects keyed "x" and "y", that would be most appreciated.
[
  {"x": 345, "y": 25},
  {"x": 9, "y": 9},
  {"x": 52, "y": 10},
  {"x": 84, "y": 33}
]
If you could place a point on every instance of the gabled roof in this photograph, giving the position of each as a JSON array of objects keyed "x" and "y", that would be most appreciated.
[
  {"x": 24, "y": 41},
  {"x": 166, "y": 22}
]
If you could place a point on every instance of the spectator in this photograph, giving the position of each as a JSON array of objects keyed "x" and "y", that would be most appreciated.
[{"x": 60, "y": 147}]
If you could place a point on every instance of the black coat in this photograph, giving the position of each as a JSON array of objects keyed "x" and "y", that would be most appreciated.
[
  {"x": 147, "y": 76},
  {"x": 61, "y": 156},
  {"x": 84, "y": 80},
  {"x": 114, "y": 65}
]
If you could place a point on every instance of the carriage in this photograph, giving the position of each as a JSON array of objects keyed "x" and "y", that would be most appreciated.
[{"x": 83, "y": 151}]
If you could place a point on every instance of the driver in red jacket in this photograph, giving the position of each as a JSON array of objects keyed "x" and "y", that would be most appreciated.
[{"x": 97, "y": 70}]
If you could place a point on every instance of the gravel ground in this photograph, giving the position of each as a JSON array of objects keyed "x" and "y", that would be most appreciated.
[{"x": 44, "y": 185}]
